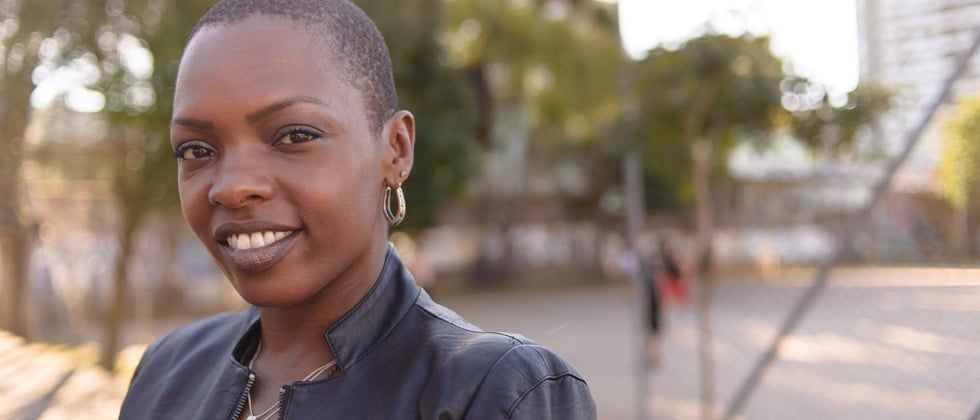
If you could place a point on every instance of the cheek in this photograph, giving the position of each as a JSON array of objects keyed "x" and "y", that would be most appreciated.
[
  {"x": 194, "y": 204},
  {"x": 361, "y": 191},
  {"x": 338, "y": 203}
]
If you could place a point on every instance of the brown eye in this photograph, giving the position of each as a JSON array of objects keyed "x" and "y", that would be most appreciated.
[
  {"x": 297, "y": 135},
  {"x": 193, "y": 151}
]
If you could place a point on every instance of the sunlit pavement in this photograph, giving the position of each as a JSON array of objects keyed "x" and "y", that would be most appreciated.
[
  {"x": 878, "y": 344},
  {"x": 43, "y": 381}
]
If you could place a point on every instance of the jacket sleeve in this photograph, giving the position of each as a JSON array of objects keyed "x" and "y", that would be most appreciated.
[{"x": 532, "y": 382}]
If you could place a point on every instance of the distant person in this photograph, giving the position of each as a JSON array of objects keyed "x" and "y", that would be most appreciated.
[
  {"x": 654, "y": 298},
  {"x": 665, "y": 284},
  {"x": 290, "y": 147},
  {"x": 645, "y": 272},
  {"x": 673, "y": 285}
]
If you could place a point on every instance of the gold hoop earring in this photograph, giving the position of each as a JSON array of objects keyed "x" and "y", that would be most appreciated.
[{"x": 393, "y": 218}]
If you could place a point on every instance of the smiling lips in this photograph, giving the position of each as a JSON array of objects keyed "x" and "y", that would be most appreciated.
[{"x": 257, "y": 251}]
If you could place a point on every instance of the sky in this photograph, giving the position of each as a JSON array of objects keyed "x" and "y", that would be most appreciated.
[{"x": 818, "y": 37}]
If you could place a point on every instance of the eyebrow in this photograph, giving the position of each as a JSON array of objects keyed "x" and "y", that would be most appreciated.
[
  {"x": 281, "y": 105},
  {"x": 199, "y": 124}
]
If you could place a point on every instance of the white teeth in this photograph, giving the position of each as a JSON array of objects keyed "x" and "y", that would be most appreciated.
[
  {"x": 243, "y": 242},
  {"x": 254, "y": 240}
]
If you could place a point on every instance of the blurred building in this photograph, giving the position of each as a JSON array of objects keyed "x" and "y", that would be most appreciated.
[{"x": 911, "y": 46}]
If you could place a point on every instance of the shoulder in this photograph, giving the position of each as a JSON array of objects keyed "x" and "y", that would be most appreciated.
[
  {"x": 457, "y": 339},
  {"x": 531, "y": 381},
  {"x": 203, "y": 338},
  {"x": 507, "y": 375},
  {"x": 188, "y": 365}
]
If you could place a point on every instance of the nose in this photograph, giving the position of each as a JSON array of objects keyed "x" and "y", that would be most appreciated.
[{"x": 240, "y": 180}]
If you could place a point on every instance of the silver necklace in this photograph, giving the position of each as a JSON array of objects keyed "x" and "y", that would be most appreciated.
[{"x": 275, "y": 407}]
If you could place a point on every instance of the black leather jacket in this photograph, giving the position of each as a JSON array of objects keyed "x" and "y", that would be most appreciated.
[{"x": 402, "y": 356}]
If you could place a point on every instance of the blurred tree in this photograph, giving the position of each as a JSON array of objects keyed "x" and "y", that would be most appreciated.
[
  {"x": 437, "y": 96},
  {"x": 696, "y": 101},
  {"x": 557, "y": 59},
  {"x": 829, "y": 123},
  {"x": 700, "y": 99},
  {"x": 18, "y": 50},
  {"x": 957, "y": 172},
  {"x": 543, "y": 74},
  {"x": 30, "y": 32}
]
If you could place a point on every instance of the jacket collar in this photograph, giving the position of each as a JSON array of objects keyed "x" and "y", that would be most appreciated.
[
  {"x": 374, "y": 317},
  {"x": 364, "y": 327}
]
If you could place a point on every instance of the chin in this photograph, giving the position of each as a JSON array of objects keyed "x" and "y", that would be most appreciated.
[
  {"x": 265, "y": 294},
  {"x": 268, "y": 300}
]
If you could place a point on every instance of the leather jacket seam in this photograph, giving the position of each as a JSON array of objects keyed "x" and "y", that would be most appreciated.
[
  {"x": 549, "y": 378},
  {"x": 483, "y": 380},
  {"x": 513, "y": 339}
]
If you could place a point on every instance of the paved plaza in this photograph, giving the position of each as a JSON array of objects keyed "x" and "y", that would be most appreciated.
[{"x": 878, "y": 344}]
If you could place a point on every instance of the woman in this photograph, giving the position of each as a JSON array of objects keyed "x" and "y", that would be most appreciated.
[{"x": 289, "y": 147}]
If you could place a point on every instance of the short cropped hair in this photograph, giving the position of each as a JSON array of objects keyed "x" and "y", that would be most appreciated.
[{"x": 352, "y": 36}]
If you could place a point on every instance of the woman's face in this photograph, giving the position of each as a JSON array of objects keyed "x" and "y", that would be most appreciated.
[{"x": 279, "y": 174}]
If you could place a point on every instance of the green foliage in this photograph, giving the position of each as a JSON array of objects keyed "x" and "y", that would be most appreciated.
[
  {"x": 957, "y": 172},
  {"x": 23, "y": 28},
  {"x": 830, "y": 124},
  {"x": 714, "y": 88},
  {"x": 710, "y": 81},
  {"x": 564, "y": 66},
  {"x": 547, "y": 71}
]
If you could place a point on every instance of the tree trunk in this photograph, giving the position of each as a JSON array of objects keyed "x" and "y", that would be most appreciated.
[
  {"x": 701, "y": 157},
  {"x": 970, "y": 224},
  {"x": 15, "y": 226},
  {"x": 120, "y": 295},
  {"x": 961, "y": 230},
  {"x": 14, "y": 278}
]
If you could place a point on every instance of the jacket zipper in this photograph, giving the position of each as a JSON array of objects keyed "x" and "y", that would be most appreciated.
[
  {"x": 241, "y": 400},
  {"x": 282, "y": 401}
]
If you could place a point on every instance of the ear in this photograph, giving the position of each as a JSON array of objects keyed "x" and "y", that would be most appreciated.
[{"x": 399, "y": 142}]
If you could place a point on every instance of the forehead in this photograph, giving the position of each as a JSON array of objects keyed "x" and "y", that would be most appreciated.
[{"x": 257, "y": 59}]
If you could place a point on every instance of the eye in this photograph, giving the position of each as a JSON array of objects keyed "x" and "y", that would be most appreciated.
[
  {"x": 297, "y": 135},
  {"x": 193, "y": 150}
]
